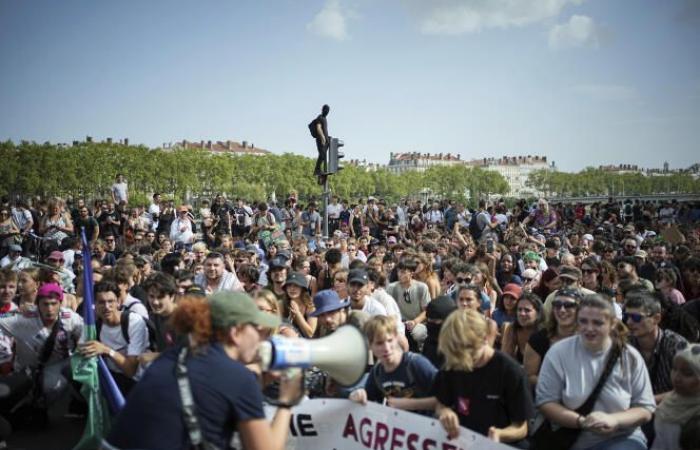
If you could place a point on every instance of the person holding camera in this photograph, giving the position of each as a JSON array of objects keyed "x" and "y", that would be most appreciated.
[{"x": 202, "y": 393}]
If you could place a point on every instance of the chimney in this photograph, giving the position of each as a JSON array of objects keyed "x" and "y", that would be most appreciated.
[
  {"x": 88, "y": 138},
  {"x": 209, "y": 145},
  {"x": 126, "y": 141},
  {"x": 184, "y": 143},
  {"x": 244, "y": 144},
  {"x": 76, "y": 143},
  {"x": 229, "y": 145},
  {"x": 201, "y": 144},
  {"x": 109, "y": 140}
]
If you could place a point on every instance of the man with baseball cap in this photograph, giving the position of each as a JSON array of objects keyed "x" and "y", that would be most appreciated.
[
  {"x": 359, "y": 294},
  {"x": 570, "y": 277}
]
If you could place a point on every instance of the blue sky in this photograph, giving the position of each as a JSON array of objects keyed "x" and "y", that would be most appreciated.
[{"x": 585, "y": 82}]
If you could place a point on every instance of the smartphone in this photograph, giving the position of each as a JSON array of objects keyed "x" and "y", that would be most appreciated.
[{"x": 489, "y": 245}]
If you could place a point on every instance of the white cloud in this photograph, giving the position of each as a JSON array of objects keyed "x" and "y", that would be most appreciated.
[
  {"x": 579, "y": 31},
  {"x": 453, "y": 17},
  {"x": 607, "y": 92},
  {"x": 330, "y": 22}
]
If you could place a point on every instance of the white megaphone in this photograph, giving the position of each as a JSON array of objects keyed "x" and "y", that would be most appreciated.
[{"x": 343, "y": 354}]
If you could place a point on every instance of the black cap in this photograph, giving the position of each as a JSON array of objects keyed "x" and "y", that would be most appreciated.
[
  {"x": 358, "y": 276},
  {"x": 297, "y": 278},
  {"x": 278, "y": 262}
]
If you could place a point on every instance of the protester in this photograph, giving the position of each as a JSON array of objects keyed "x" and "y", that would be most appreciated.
[
  {"x": 220, "y": 395},
  {"x": 474, "y": 375},
  {"x": 561, "y": 324},
  {"x": 573, "y": 366},
  {"x": 516, "y": 335},
  {"x": 403, "y": 379},
  {"x": 682, "y": 404}
]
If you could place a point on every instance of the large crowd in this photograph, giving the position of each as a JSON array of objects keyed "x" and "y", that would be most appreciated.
[{"x": 538, "y": 325}]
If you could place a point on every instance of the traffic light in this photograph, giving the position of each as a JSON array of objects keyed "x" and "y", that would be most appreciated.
[{"x": 335, "y": 155}]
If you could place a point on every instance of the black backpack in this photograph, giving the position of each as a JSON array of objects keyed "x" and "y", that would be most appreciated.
[
  {"x": 313, "y": 129},
  {"x": 474, "y": 229},
  {"x": 124, "y": 324}
]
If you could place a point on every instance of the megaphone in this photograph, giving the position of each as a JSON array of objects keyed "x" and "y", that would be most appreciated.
[{"x": 343, "y": 354}]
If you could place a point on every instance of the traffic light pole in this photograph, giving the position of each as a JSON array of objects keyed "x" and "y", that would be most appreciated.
[
  {"x": 326, "y": 196},
  {"x": 333, "y": 157}
]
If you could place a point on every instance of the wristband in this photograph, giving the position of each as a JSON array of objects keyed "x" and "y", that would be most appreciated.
[
  {"x": 579, "y": 421},
  {"x": 111, "y": 353}
]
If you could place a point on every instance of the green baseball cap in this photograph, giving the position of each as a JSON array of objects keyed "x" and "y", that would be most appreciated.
[{"x": 236, "y": 308}]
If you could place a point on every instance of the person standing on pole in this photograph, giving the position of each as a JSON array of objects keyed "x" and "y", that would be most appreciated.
[{"x": 319, "y": 130}]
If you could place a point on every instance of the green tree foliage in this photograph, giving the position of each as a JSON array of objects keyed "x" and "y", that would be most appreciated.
[
  {"x": 88, "y": 170},
  {"x": 591, "y": 182}
]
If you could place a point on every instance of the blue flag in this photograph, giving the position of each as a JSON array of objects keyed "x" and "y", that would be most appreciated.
[{"x": 99, "y": 389}]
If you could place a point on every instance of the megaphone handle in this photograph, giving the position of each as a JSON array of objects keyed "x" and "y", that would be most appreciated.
[{"x": 288, "y": 379}]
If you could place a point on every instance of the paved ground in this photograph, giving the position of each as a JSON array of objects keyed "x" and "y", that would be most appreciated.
[{"x": 62, "y": 434}]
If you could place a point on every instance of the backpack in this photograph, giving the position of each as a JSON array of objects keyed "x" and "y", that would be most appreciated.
[
  {"x": 312, "y": 128},
  {"x": 124, "y": 324},
  {"x": 474, "y": 229}
]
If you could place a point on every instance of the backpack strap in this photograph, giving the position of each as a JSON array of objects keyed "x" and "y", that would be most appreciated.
[{"x": 124, "y": 323}]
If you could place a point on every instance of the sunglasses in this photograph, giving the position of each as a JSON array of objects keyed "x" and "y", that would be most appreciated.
[
  {"x": 588, "y": 271},
  {"x": 636, "y": 317},
  {"x": 558, "y": 304},
  {"x": 406, "y": 297},
  {"x": 527, "y": 280},
  {"x": 463, "y": 280}
]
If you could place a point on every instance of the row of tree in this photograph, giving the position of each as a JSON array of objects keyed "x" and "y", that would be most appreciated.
[
  {"x": 88, "y": 170},
  {"x": 592, "y": 181}
]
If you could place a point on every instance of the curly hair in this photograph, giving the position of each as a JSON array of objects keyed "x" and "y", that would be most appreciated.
[{"x": 193, "y": 317}]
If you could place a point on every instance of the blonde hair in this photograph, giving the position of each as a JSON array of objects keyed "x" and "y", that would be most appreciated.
[
  {"x": 463, "y": 333},
  {"x": 379, "y": 326},
  {"x": 269, "y": 298}
]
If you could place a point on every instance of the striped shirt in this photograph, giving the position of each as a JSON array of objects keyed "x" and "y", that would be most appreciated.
[{"x": 661, "y": 361}]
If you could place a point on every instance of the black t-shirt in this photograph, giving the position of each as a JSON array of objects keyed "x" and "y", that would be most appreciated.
[
  {"x": 225, "y": 393},
  {"x": 112, "y": 228},
  {"x": 496, "y": 395},
  {"x": 324, "y": 125},
  {"x": 539, "y": 341},
  {"x": 240, "y": 214},
  {"x": 89, "y": 223},
  {"x": 165, "y": 335},
  {"x": 692, "y": 307}
]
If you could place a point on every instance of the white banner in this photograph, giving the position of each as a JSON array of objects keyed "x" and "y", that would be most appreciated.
[{"x": 329, "y": 424}]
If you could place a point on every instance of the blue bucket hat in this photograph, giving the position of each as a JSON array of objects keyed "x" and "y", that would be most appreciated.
[{"x": 328, "y": 301}]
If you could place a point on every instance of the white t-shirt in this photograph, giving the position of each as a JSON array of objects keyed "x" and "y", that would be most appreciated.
[
  {"x": 392, "y": 309},
  {"x": 112, "y": 337},
  {"x": 133, "y": 304},
  {"x": 570, "y": 372},
  {"x": 334, "y": 210},
  {"x": 373, "y": 307},
  {"x": 119, "y": 190},
  {"x": 154, "y": 212}
]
